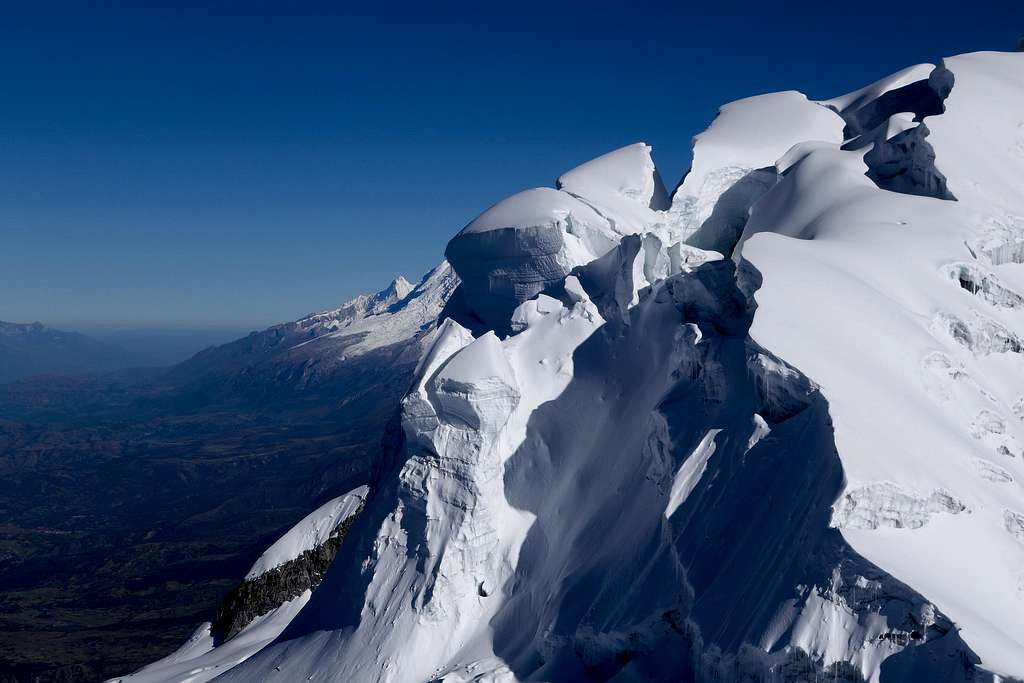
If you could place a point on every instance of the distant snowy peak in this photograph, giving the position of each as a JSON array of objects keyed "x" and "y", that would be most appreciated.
[
  {"x": 312, "y": 348},
  {"x": 26, "y": 332},
  {"x": 396, "y": 315},
  {"x": 362, "y": 306}
]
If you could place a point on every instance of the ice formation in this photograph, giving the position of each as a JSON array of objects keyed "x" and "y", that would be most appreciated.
[{"x": 765, "y": 431}]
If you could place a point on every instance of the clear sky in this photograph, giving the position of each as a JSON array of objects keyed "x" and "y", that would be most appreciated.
[{"x": 205, "y": 164}]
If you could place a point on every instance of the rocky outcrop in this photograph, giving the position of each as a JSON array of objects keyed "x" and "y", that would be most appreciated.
[{"x": 257, "y": 596}]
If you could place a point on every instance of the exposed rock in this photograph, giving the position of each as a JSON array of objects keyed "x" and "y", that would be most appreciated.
[{"x": 257, "y": 596}]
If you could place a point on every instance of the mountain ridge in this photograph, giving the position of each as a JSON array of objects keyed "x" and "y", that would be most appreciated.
[
  {"x": 766, "y": 432},
  {"x": 641, "y": 388}
]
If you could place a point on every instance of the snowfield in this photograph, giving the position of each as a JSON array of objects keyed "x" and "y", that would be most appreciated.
[{"x": 770, "y": 428}]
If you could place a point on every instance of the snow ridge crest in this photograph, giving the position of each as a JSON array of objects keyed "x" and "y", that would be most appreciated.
[{"x": 717, "y": 436}]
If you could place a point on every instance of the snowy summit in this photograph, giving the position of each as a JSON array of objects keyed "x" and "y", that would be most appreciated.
[{"x": 768, "y": 428}]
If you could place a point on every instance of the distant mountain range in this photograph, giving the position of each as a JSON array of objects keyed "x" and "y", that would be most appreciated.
[
  {"x": 34, "y": 349},
  {"x": 164, "y": 346}
]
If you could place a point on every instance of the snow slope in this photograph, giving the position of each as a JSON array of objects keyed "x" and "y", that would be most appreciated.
[
  {"x": 314, "y": 529},
  {"x": 203, "y": 656},
  {"x": 914, "y": 342},
  {"x": 201, "y": 659},
  {"x": 771, "y": 431}
]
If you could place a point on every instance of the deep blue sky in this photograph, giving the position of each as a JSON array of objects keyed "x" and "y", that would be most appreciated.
[{"x": 240, "y": 164}]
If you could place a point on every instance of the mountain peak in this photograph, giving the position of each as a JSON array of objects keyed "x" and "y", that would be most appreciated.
[
  {"x": 398, "y": 289},
  {"x": 769, "y": 432}
]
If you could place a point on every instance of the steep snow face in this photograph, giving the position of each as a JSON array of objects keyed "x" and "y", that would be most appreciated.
[
  {"x": 979, "y": 145},
  {"x": 915, "y": 340},
  {"x": 531, "y": 240},
  {"x": 550, "y": 515}
]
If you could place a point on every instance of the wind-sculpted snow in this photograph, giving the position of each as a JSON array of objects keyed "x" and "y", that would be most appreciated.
[
  {"x": 856, "y": 100},
  {"x": 905, "y": 162},
  {"x": 734, "y": 160},
  {"x": 531, "y": 240},
  {"x": 621, "y": 182},
  {"x": 891, "y": 97},
  {"x": 921, "y": 375},
  {"x": 886, "y": 120},
  {"x": 768, "y": 433}
]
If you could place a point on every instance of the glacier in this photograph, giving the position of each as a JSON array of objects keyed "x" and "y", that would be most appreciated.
[{"x": 766, "y": 428}]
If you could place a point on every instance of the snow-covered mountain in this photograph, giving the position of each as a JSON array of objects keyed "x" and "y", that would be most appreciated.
[
  {"x": 310, "y": 350},
  {"x": 769, "y": 429}
]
